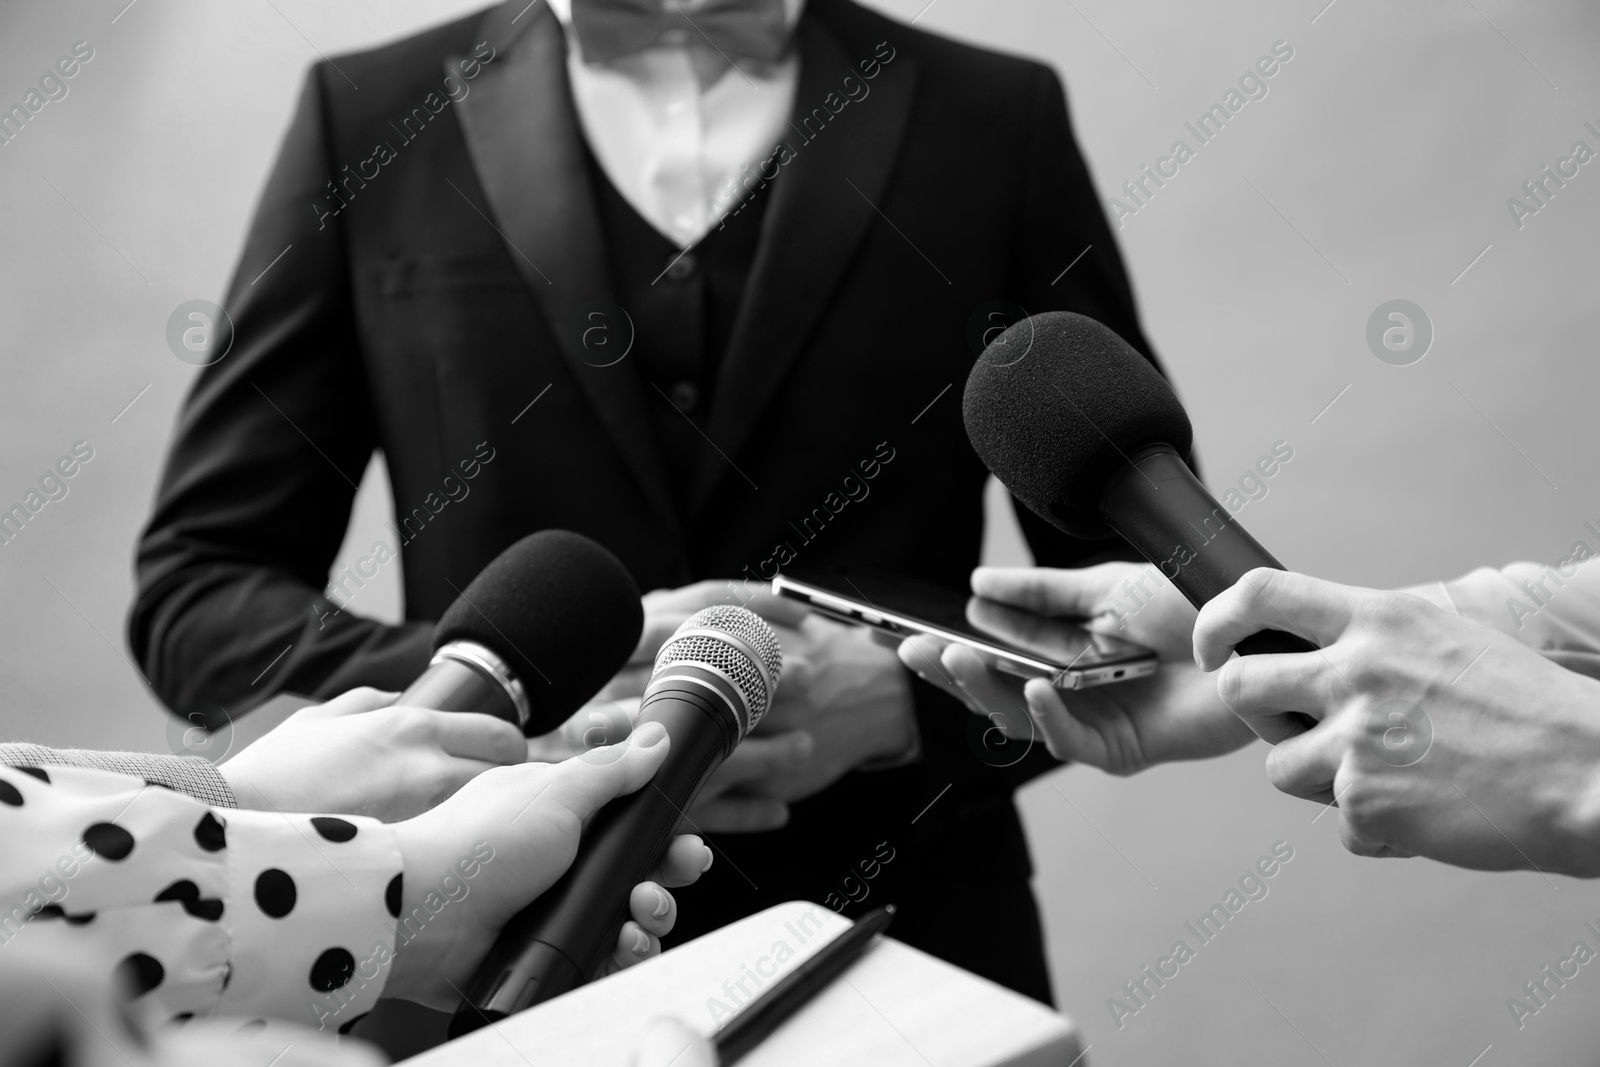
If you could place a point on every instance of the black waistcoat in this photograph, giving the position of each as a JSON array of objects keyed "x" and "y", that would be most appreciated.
[{"x": 682, "y": 305}]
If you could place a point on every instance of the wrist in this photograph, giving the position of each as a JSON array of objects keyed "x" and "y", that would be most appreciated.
[
  {"x": 235, "y": 774},
  {"x": 439, "y": 939},
  {"x": 422, "y": 938},
  {"x": 413, "y": 955},
  {"x": 1564, "y": 786},
  {"x": 1494, "y": 598}
]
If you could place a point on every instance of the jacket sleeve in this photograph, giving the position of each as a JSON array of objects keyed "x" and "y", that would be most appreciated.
[
  {"x": 1066, "y": 259},
  {"x": 262, "y": 473},
  {"x": 248, "y": 913}
]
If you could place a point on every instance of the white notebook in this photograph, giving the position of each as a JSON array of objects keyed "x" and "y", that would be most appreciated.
[{"x": 895, "y": 1006}]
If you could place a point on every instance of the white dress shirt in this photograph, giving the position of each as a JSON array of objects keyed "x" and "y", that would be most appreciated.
[{"x": 675, "y": 135}]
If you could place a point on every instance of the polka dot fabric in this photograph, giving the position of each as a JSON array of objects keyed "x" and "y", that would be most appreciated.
[{"x": 199, "y": 910}]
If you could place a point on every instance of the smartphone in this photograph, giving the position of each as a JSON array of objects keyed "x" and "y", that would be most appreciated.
[{"x": 1009, "y": 639}]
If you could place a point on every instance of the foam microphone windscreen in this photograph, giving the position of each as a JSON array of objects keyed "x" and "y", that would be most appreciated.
[
  {"x": 561, "y": 611},
  {"x": 1057, "y": 404}
]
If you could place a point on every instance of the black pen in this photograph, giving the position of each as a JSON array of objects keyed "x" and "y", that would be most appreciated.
[{"x": 768, "y": 1011}]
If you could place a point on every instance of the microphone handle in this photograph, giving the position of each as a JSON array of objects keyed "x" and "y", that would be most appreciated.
[
  {"x": 1163, "y": 510},
  {"x": 563, "y": 939},
  {"x": 468, "y": 677}
]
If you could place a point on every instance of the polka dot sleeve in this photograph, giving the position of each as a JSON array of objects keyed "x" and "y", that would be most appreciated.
[{"x": 249, "y": 913}]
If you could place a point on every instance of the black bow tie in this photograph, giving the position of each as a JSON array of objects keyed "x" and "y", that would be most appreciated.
[{"x": 610, "y": 29}]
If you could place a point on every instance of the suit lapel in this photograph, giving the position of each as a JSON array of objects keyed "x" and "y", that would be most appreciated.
[
  {"x": 811, "y": 230},
  {"x": 522, "y": 135}
]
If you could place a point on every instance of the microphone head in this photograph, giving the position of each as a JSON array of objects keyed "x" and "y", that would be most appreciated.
[
  {"x": 561, "y": 611},
  {"x": 1056, "y": 421},
  {"x": 735, "y": 643}
]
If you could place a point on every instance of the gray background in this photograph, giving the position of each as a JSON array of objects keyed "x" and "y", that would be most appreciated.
[{"x": 1377, "y": 168}]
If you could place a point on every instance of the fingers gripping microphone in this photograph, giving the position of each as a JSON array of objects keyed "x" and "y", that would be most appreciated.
[
  {"x": 534, "y": 635},
  {"x": 1088, "y": 434},
  {"x": 713, "y": 680}
]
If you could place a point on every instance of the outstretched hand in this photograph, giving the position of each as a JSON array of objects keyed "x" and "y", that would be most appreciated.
[
  {"x": 1121, "y": 728},
  {"x": 1436, "y": 736},
  {"x": 358, "y": 754},
  {"x": 529, "y": 819}
]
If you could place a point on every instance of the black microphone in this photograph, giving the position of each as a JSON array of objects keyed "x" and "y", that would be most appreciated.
[
  {"x": 1087, "y": 433},
  {"x": 713, "y": 680},
  {"x": 547, "y": 623}
]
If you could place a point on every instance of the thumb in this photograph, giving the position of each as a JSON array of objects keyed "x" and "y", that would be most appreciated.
[
  {"x": 600, "y": 722},
  {"x": 584, "y": 784}
]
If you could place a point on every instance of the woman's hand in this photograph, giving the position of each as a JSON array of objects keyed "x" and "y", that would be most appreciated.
[
  {"x": 527, "y": 820},
  {"x": 359, "y": 755},
  {"x": 730, "y": 801}
]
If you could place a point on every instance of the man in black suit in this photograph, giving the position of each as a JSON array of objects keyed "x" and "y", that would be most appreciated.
[{"x": 447, "y": 266}]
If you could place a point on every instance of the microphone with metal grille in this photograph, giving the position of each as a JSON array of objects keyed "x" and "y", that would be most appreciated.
[
  {"x": 713, "y": 680},
  {"x": 540, "y": 629},
  {"x": 1087, "y": 433}
]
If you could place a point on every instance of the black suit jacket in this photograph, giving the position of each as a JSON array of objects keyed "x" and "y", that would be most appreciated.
[{"x": 453, "y": 287}]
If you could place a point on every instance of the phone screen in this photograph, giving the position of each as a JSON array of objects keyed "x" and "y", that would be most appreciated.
[{"x": 880, "y": 598}]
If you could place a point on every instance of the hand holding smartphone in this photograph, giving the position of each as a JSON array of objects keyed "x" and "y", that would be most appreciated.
[{"x": 1009, "y": 639}]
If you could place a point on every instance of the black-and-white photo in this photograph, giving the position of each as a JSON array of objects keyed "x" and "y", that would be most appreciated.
[{"x": 899, "y": 533}]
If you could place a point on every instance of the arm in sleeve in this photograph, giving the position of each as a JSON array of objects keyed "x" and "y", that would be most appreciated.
[
  {"x": 1063, "y": 225},
  {"x": 253, "y": 914},
  {"x": 262, "y": 473},
  {"x": 57, "y": 1010},
  {"x": 1065, "y": 260},
  {"x": 1554, "y": 610},
  {"x": 192, "y": 775}
]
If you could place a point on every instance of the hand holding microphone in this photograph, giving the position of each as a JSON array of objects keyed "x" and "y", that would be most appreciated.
[
  {"x": 519, "y": 827},
  {"x": 547, "y": 623},
  {"x": 363, "y": 754},
  {"x": 846, "y": 702},
  {"x": 712, "y": 683},
  {"x": 539, "y": 629},
  {"x": 733, "y": 800},
  {"x": 1088, "y": 434},
  {"x": 1083, "y": 430}
]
